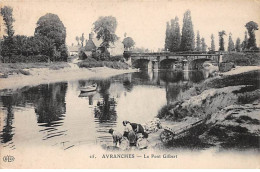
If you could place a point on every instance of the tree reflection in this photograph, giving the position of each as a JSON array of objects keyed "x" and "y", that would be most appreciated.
[
  {"x": 105, "y": 109},
  {"x": 7, "y": 132},
  {"x": 51, "y": 107}
]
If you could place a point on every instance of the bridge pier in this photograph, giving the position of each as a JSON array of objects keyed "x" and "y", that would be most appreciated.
[
  {"x": 185, "y": 65},
  {"x": 155, "y": 65}
]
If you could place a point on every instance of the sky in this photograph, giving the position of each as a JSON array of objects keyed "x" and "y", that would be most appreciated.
[{"x": 143, "y": 20}]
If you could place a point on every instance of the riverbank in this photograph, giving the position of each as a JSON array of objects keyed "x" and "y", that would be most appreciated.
[
  {"x": 36, "y": 74},
  {"x": 229, "y": 103}
]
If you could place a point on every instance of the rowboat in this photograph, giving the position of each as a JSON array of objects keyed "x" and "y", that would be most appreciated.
[{"x": 89, "y": 88}]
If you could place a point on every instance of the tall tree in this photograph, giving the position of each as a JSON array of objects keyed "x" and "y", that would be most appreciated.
[
  {"x": 171, "y": 35},
  {"x": 203, "y": 45},
  {"x": 51, "y": 27},
  {"x": 105, "y": 28},
  {"x": 187, "y": 37},
  {"x": 251, "y": 27},
  {"x": 167, "y": 37},
  {"x": 176, "y": 38},
  {"x": 231, "y": 46},
  {"x": 238, "y": 45},
  {"x": 7, "y": 13},
  {"x": 8, "y": 47},
  {"x": 198, "y": 42},
  {"x": 128, "y": 42},
  {"x": 77, "y": 39},
  {"x": 245, "y": 42},
  {"x": 221, "y": 40},
  {"x": 212, "y": 42},
  {"x": 82, "y": 38}
]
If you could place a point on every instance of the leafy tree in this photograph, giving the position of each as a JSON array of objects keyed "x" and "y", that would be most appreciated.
[
  {"x": 7, "y": 13},
  {"x": 51, "y": 27},
  {"x": 238, "y": 45},
  {"x": 187, "y": 37},
  {"x": 128, "y": 42},
  {"x": 167, "y": 37},
  {"x": 212, "y": 43},
  {"x": 203, "y": 45},
  {"x": 8, "y": 46},
  {"x": 221, "y": 40},
  {"x": 176, "y": 35},
  {"x": 77, "y": 39},
  {"x": 251, "y": 27},
  {"x": 231, "y": 46},
  {"x": 245, "y": 42},
  {"x": 82, "y": 38},
  {"x": 105, "y": 28},
  {"x": 198, "y": 42}
]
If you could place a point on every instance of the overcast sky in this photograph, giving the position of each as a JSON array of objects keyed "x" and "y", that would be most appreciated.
[{"x": 144, "y": 21}]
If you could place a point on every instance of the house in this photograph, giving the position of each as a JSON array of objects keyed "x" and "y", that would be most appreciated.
[
  {"x": 73, "y": 50},
  {"x": 115, "y": 49}
]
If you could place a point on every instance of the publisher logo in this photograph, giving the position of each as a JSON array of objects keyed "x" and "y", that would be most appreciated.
[{"x": 8, "y": 158}]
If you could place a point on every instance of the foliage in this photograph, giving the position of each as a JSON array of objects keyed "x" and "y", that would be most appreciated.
[
  {"x": 51, "y": 27},
  {"x": 242, "y": 59},
  {"x": 90, "y": 62},
  {"x": 175, "y": 35},
  {"x": 82, "y": 38},
  {"x": 245, "y": 42},
  {"x": 231, "y": 46},
  {"x": 212, "y": 43},
  {"x": 105, "y": 28},
  {"x": 47, "y": 44},
  {"x": 198, "y": 42},
  {"x": 251, "y": 27},
  {"x": 77, "y": 39},
  {"x": 187, "y": 37},
  {"x": 221, "y": 40},
  {"x": 128, "y": 42},
  {"x": 238, "y": 45},
  {"x": 7, "y": 13},
  {"x": 167, "y": 37},
  {"x": 203, "y": 45}
]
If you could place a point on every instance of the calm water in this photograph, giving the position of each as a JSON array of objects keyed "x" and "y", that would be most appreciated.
[{"x": 60, "y": 115}]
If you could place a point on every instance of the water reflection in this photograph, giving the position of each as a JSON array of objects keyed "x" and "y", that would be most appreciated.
[
  {"x": 50, "y": 107},
  {"x": 7, "y": 132},
  {"x": 64, "y": 115}
]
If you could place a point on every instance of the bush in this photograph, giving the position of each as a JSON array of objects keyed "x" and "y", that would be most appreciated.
[
  {"x": 90, "y": 62},
  {"x": 242, "y": 59}
]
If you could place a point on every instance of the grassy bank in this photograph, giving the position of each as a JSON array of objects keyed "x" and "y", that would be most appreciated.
[
  {"x": 90, "y": 63},
  {"x": 22, "y": 68}
]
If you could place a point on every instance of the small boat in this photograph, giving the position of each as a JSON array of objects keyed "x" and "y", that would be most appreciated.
[
  {"x": 87, "y": 94},
  {"x": 89, "y": 88}
]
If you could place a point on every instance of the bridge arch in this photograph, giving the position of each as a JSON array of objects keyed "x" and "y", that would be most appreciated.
[
  {"x": 142, "y": 63},
  {"x": 168, "y": 63},
  {"x": 197, "y": 63}
]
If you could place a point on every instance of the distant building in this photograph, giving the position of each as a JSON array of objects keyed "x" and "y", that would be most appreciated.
[
  {"x": 115, "y": 49},
  {"x": 74, "y": 50}
]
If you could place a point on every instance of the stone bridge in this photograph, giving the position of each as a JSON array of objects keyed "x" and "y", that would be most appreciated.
[{"x": 169, "y": 60}]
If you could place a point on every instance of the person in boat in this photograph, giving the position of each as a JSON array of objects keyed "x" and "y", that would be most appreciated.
[
  {"x": 117, "y": 136},
  {"x": 129, "y": 133}
]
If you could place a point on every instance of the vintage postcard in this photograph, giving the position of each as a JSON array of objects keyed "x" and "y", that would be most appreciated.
[{"x": 143, "y": 84}]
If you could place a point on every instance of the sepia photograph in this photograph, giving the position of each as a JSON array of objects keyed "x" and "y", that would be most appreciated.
[{"x": 129, "y": 84}]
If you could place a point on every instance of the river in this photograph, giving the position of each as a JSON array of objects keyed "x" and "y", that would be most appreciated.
[{"x": 59, "y": 115}]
